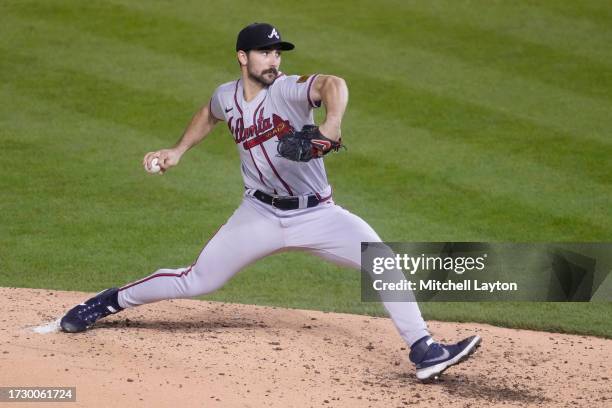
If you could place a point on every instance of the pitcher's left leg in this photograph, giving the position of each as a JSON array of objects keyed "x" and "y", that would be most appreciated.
[{"x": 335, "y": 234}]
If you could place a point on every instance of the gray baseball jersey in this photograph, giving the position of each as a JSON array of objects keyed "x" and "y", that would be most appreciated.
[
  {"x": 257, "y": 229},
  {"x": 256, "y": 126}
]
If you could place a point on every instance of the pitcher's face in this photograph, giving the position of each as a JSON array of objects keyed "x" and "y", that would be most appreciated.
[{"x": 262, "y": 65}]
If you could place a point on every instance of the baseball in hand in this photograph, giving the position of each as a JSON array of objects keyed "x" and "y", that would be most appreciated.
[{"x": 154, "y": 168}]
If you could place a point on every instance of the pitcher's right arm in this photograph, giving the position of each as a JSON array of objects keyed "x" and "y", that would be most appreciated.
[{"x": 202, "y": 123}]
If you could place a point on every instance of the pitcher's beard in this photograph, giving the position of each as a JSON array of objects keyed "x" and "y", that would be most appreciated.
[{"x": 266, "y": 78}]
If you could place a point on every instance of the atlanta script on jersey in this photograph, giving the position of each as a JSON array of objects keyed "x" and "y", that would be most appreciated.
[{"x": 257, "y": 126}]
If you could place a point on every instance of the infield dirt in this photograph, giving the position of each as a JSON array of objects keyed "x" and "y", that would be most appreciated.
[{"x": 192, "y": 353}]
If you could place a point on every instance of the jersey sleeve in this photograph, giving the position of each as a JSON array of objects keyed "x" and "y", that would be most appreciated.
[
  {"x": 298, "y": 90},
  {"x": 215, "y": 106}
]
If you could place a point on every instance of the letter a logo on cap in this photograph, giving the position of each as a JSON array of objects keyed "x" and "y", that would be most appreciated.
[{"x": 273, "y": 34}]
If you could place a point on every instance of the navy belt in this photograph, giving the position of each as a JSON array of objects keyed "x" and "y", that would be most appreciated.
[{"x": 286, "y": 203}]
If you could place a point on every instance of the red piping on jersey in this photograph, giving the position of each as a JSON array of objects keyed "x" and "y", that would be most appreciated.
[
  {"x": 275, "y": 172},
  {"x": 251, "y": 153},
  {"x": 308, "y": 92},
  {"x": 257, "y": 168},
  {"x": 257, "y": 109},
  {"x": 236, "y": 99},
  {"x": 241, "y": 115},
  {"x": 172, "y": 275},
  {"x": 159, "y": 275},
  {"x": 323, "y": 198},
  {"x": 262, "y": 148},
  {"x": 210, "y": 110},
  {"x": 266, "y": 153}
]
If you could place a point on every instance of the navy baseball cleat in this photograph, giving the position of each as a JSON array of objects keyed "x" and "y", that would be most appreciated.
[
  {"x": 433, "y": 358},
  {"x": 84, "y": 315}
]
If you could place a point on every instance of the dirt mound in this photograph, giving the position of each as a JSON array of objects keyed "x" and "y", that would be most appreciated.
[{"x": 190, "y": 353}]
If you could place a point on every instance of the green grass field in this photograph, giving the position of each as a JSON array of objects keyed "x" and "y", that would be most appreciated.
[{"x": 468, "y": 121}]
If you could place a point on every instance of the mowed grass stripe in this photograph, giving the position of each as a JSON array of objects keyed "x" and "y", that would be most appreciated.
[
  {"x": 557, "y": 103},
  {"x": 527, "y": 100},
  {"x": 142, "y": 68},
  {"x": 532, "y": 100},
  {"x": 503, "y": 178},
  {"x": 89, "y": 259},
  {"x": 99, "y": 237},
  {"x": 93, "y": 143},
  {"x": 161, "y": 33},
  {"x": 84, "y": 217},
  {"x": 497, "y": 182},
  {"x": 554, "y": 201},
  {"x": 571, "y": 148},
  {"x": 473, "y": 208},
  {"x": 530, "y": 23},
  {"x": 595, "y": 11},
  {"x": 72, "y": 118},
  {"x": 79, "y": 146},
  {"x": 491, "y": 150},
  {"x": 469, "y": 182},
  {"x": 159, "y": 115},
  {"x": 175, "y": 80},
  {"x": 66, "y": 181},
  {"x": 94, "y": 82},
  {"x": 511, "y": 56},
  {"x": 122, "y": 195},
  {"x": 488, "y": 132}
]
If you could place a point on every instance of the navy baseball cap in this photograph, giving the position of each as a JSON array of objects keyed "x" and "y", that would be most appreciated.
[{"x": 259, "y": 36}]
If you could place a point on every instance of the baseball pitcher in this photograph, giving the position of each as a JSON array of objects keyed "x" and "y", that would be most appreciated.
[{"x": 288, "y": 202}]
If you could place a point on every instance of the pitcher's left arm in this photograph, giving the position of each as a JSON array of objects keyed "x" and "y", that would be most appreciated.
[{"x": 333, "y": 92}]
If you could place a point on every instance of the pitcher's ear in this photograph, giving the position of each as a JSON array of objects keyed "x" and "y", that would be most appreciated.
[{"x": 243, "y": 57}]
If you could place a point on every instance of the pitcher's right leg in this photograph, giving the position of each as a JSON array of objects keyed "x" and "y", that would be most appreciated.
[{"x": 248, "y": 235}]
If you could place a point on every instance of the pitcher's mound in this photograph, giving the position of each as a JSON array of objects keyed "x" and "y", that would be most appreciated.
[{"x": 189, "y": 353}]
